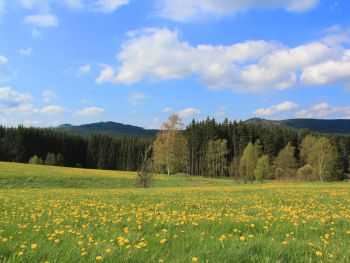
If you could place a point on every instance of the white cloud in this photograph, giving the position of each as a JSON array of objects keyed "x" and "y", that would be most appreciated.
[
  {"x": 42, "y": 20},
  {"x": 17, "y": 108},
  {"x": 41, "y": 5},
  {"x": 25, "y": 51},
  {"x": 52, "y": 109},
  {"x": 324, "y": 110},
  {"x": 160, "y": 54},
  {"x": 109, "y": 6},
  {"x": 106, "y": 74},
  {"x": 184, "y": 10},
  {"x": 9, "y": 96},
  {"x": 74, "y": 4},
  {"x": 329, "y": 72},
  {"x": 283, "y": 107},
  {"x": 167, "y": 109},
  {"x": 90, "y": 112},
  {"x": 336, "y": 35},
  {"x": 2, "y": 7},
  {"x": 84, "y": 69},
  {"x": 48, "y": 96},
  {"x": 136, "y": 98},
  {"x": 14, "y": 101},
  {"x": 3, "y": 60},
  {"x": 103, "y": 6},
  {"x": 188, "y": 113}
]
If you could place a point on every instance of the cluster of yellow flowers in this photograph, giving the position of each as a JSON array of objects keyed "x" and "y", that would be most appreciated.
[{"x": 108, "y": 224}]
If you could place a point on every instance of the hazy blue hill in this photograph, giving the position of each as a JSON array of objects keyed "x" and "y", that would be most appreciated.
[
  {"x": 338, "y": 126},
  {"x": 108, "y": 128}
]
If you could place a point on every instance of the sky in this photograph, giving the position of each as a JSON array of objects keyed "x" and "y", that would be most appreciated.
[{"x": 138, "y": 61}]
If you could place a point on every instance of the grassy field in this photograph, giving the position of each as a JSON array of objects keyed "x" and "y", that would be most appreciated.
[{"x": 50, "y": 214}]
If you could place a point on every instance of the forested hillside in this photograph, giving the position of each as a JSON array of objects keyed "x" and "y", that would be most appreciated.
[
  {"x": 212, "y": 148},
  {"x": 96, "y": 151},
  {"x": 107, "y": 128},
  {"x": 338, "y": 126}
]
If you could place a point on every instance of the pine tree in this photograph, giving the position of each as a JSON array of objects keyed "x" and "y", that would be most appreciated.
[{"x": 216, "y": 157}]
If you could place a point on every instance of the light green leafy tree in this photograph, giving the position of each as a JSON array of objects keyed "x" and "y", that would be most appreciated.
[
  {"x": 262, "y": 170},
  {"x": 285, "y": 163}
]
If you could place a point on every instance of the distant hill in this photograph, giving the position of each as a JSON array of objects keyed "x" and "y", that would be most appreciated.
[
  {"x": 108, "y": 128},
  {"x": 337, "y": 126}
]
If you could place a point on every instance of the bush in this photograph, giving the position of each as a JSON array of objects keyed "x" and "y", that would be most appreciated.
[
  {"x": 262, "y": 170},
  {"x": 50, "y": 159},
  {"x": 59, "y": 159},
  {"x": 306, "y": 173},
  {"x": 145, "y": 173},
  {"x": 35, "y": 160}
]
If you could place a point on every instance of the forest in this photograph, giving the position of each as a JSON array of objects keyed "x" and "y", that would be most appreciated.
[{"x": 204, "y": 148}]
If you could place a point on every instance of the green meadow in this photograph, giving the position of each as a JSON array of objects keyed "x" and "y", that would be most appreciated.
[{"x": 55, "y": 214}]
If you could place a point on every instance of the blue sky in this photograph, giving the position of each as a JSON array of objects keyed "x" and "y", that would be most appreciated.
[{"x": 80, "y": 61}]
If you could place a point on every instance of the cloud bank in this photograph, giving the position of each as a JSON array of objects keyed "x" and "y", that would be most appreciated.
[
  {"x": 250, "y": 66},
  {"x": 184, "y": 10}
]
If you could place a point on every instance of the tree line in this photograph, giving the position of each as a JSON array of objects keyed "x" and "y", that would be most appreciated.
[
  {"x": 204, "y": 148},
  {"x": 49, "y": 146},
  {"x": 249, "y": 151}
]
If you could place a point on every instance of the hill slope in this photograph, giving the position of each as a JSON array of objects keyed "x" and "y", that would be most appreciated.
[
  {"x": 337, "y": 126},
  {"x": 17, "y": 175},
  {"x": 108, "y": 128}
]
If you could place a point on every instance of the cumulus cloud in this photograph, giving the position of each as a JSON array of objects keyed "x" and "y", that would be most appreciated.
[
  {"x": 48, "y": 96},
  {"x": 25, "y": 51},
  {"x": 90, "y": 112},
  {"x": 103, "y": 6},
  {"x": 74, "y": 4},
  {"x": 160, "y": 54},
  {"x": 11, "y": 97},
  {"x": 167, "y": 109},
  {"x": 184, "y": 10},
  {"x": 2, "y": 7},
  {"x": 14, "y": 101},
  {"x": 42, "y": 20},
  {"x": 3, "y": 60},
  {"x": 52, "y": 109},
  {"x": 188, "y": 113},
  {"x": 40, "y": 5},
  {"x": 109, "y": 6},
  {"x": 84, "y": 69},
  {"x": 324, "y": 110},
  {"x": 106, "y": 74},
  {"x": 283, "y": 107},
  {"x": 329, "y": 72}
]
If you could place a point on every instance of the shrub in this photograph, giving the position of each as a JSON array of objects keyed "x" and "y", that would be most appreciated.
[
  {"x": 306, "y": 173},
  {"x": 50, "y": 159},
  {"x": 144, "y": 174},
  {"x": 35, "y": 160},
  {"x": 59, "y": 159},
  {"x": 262, "y": 170}
]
